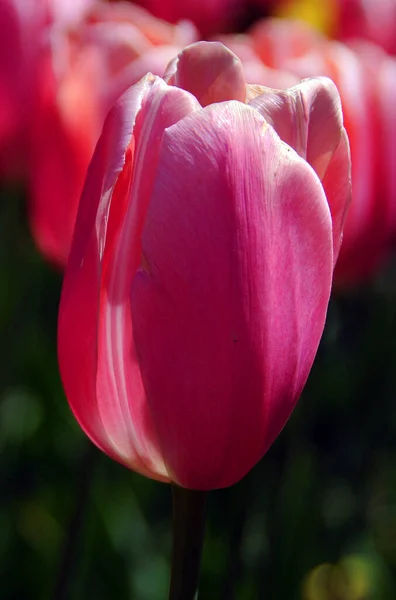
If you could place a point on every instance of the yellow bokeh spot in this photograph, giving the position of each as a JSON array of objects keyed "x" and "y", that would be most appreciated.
[
  {"x": 321, "y": 14},
  {"x": 350, "y": 579}
]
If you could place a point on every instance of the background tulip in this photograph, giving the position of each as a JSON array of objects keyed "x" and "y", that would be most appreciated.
[
  {"x": 372, "y": 20},
  {"x": 346, "y": 20},
  {"x": 83, "y": 68},
  {"x": 21, "y": 23},
  {"x": 23, "y": 28},
  {"x": 197, "y": 286},
  {"x": 293, "y": 47}
]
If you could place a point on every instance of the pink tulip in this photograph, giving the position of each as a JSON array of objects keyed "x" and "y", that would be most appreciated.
[
  {"x": 83, "y": 68},
  {"x": 201, "y": 267}
]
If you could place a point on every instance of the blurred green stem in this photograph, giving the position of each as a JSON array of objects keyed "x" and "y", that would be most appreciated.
[
  {"x": 70, "y": 556},
  {"x": 237, "y": 506},
  {"x": 188, "y": 536}
]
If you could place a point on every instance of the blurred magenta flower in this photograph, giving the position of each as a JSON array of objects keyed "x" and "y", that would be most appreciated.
[
  {"x": 21, "y": 22},
  {"x": 201, "y": 267},
  {"x": 83, "y": 68}
]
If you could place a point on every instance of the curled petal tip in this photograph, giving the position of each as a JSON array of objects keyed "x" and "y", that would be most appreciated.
[{"x": 209, "y": 71}]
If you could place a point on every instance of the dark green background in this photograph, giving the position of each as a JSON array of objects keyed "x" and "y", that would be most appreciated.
[{"x": 324, "y": 494}]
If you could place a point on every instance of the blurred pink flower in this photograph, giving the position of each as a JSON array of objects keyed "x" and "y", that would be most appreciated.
[
  {"x": 364, "y": 76},
  {"x": 83, "y": 68},
  {"x": 21, "y": 23},
  {"x": 23, "y": 26}
]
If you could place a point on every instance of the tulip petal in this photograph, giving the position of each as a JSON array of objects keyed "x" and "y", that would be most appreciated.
[
  {"x": 209, "y": 71},
  {"x": 107, "y": 396},
  {"x": 308, "y": 117},
  {"x": 230, "y": 300}
]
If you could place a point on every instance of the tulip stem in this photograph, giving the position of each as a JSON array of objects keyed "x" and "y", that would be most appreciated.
[{"x": 188, "y": 536}]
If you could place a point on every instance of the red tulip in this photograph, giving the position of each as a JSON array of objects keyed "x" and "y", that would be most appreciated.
[
  {"x": 200, "y": 272},
  {"x": 82, "y": 71}
]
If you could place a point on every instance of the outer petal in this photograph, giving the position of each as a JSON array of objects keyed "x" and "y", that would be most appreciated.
[
  {"x": 209, "y": 71},
  {"x": 96, "y": 351},
  {"x": 308, "y": 117},
  {"x": 230, "y": 301}
]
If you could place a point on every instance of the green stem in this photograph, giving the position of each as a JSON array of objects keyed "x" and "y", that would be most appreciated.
[{"x": 188, "y": 537}]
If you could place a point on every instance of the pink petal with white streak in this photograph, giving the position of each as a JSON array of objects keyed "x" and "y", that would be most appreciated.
[{"x": 96, "y": 351}]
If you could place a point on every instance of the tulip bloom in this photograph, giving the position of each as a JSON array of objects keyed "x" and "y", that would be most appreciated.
[
  {"x": 82, "y": 70},
  {"x": 196, "y": 291}
]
